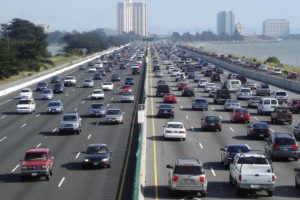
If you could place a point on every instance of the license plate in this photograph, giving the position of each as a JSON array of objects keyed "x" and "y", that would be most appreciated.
[
  {"x": 241, "y": 116},
  {"x": 165, "y": 111},
  {"x": 95, "y": 163},
  {"x": 261, "y": 135},
  {"x": 187, "y": 181},
  {"x": 285, "y": 149},
  {"x": 33, "y": 174},
  {"x": 255, "y": 186},
  {"x": 212, "y": 124}
]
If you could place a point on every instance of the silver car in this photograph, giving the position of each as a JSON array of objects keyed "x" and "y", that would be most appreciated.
[
  {"x": 253, "y": 101},
  {"x": 230, "y": 104},
  {"x": 88, "y": 83},
  {"x": 97, "y": 109},
  {"x": 46, "y": 94},
  {"x": 70, "y": 122},
  {"x": 55, "y": 107},
  {"x": 127, "y": 97},
  {"x": 187, "y": 175},
  {"x": 114, "y": 116}
]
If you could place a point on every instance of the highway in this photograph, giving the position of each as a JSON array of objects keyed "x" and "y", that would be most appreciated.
[
  {"x": 69, "y": 181},
  {"x": 206, "y": 146}
]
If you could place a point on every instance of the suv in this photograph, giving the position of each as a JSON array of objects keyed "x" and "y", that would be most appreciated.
[
  {"x": 281, "y": 96},
  {"x": 187, "y": 175},
  {"x": 282, "y": 145},
  {"x": 71, "y": 122},
  {"x": 221, "y": 96},
  {"x": 37, "y": 162},
  {"x": 211, "y": 122}
]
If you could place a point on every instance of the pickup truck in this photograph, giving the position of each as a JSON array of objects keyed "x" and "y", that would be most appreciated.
[
  {"x": 37, "y": 162},
  {"x": 252, "y": 172},
  {"x": 281, "y": 115}
]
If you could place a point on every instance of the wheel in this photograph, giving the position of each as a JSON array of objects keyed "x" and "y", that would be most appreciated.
[
  {"x": 47, "y": 177},
  {"x": 203, "y": 194},
  {"x": 230, "y": 180},
  {"x": 297, "y": 185},
  {"x": 290, "y": 123},
  {"x": 237, "y": 190},
  {"x": 51, "y": 172},
  {"x": 220, "y": 129},
  {"x": 108, "y": 166},
  {"x": 270, "y": 193}
]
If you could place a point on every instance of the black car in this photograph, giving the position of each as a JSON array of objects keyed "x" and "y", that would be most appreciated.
[
  {"x": 162, "y": 90},
  {"x": 191, "y": 75},
  {"x": 122, "y": 66},
  {"x": 215, "y": 77},
  {"x": 115, "y": 77},
  {"x": 258, "y": 130},
  {"x": 229, "y": 151},
  {"x": 97, "y": 76},
  {"x": 165, "y": 110},
  {"x": 102, "y": 71},
  {"x": 41, "y": 86},
  {"x": 55, "y": 79},
  {"x": 219, "y": 70},
  {"x": 58, "y": 88},
  {"x": 108, "y": 69},
  {"x": 129, "y": 81},
  {"x": 135, "y": 70},
  {"x": 208, "y": 73},
  {"x": 211, "y": 123},
  {"x": 221, "y": 96},
  {"x": 97, "y": 155},
  {"x": 188, "y": 92},
  {"x": 242, "y": 78}
]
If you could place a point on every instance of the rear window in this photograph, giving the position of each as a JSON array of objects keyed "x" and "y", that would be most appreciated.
[
  {"x": 267, "y": 102},
  {"x": 296, "y": 101},
  {"x": 237, "y": 149},
  {"x": 281, "y": 93},
  {"x": 188, "y": 170},
  {"x": 200, "y": 101},
  {"x": 245, "y": 90},
  {"x": 264, "y": 86},
  {"x": 285, "y": 141},
  {"x": 174, "y": 126},
  {"x": 252, "y": 160},
  {"x": 260, "y": 126},
  {"x": 212, "y": 118}
]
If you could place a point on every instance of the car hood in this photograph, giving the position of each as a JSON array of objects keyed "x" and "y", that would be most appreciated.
[{"x": 54, "y": 107}]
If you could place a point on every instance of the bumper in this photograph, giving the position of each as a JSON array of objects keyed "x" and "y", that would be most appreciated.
[
  {"x": 34, "y": 173},
  {"x": 198, "y": 188},
  {"x": 95, "y": 163},
  {"x": 199, "y": 107},
  {"x": 283, "y": 154},
  {"x": 174, "y": 136},
  {"x": 257, "y": 187}
]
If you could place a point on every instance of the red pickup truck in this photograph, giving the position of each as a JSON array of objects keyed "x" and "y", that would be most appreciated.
[
  {"x": 281, "y": 115},
  {"x": 37, "y": 162}
]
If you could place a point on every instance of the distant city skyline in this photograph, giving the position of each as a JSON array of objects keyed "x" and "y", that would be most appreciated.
[{"x": 164, "y": 16}]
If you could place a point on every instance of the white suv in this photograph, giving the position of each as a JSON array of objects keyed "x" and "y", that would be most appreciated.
[
  {"x": 267, "y": 105},
  {"x": 281, "y": 95}
]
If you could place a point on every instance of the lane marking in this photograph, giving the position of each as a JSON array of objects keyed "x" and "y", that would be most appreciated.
[
  {"x": 89, "y": 136},
  {"x": 53, "y": 130},
  {"x": 200, "y": 145},
  {"x": 37, "y": 146},
  {"x": 272, "y": 130},
  {"x": 107, "y": 105},
  {"x": 75, "y": 109},
  {"x": 255, "y": 118},
  {"x": 14, "y": 169},
  {"x": 23, "y": 125},
  {"x": 187, "y": 117},
  {"x": 213, "y": 108},
  {"x": 231, "y": 129},
  {"x": 112, "y": 98},
  {"x": 192, "y": 128},
  {"x": 5, "y": 102},
  {"x": 220, "y": 116},
  {"x": 3, "y": 139},
  {"x": 83, "y": 101},
  {"x": 4, "y": 116},
  {"x": 37, "y": 115},
  {"x": 67, "y": 95},
  {"x": 181, "y": 106},
  {"x": 77, "y": 155},
  {"x": 213, "y": 171},
  {"x": 61, "y": 182}
]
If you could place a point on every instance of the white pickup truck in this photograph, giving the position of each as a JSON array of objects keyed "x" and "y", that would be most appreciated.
[{"x": 252, "y": 172}]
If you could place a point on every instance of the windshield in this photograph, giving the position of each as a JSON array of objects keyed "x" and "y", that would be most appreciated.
[
  {"x": 284, "y": 141},
  {"x": 237, "y": 149},
  {"x": 24, "y": 102},
  {"x": 188, "y": 170},
  {"x": 245, "y": 90},
  {"x": 107, "y": 83},
  {"x": 165, "y": 107},
  {"x": 25, "y": 91},
  {"x": 36, "y": 156},
  {"x": 97, "y": 106},
  {"x": 261, "y": 126},
  {"x": 70, "y": 118},
  {"x": 54, "y": 104},
  {"x": 98, "y": 92},
  {"x": 97, "y": 150},
  {"x": 281, "y": 93},
  {"x": 200, "y": 101},
  {"x": 114, "y": 112}
]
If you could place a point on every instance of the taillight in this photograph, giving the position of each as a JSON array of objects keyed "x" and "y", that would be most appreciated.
[
  {"x": 295, "y": 146},
  {"x": 181, "y": 131},
  {"x": 276, "y": 146},
  {"x": 202, "y": 179},
  {"x": 174, "y": 178},
  {"x": 240, "y": 177},
  {"x": 273, "y": 178}
]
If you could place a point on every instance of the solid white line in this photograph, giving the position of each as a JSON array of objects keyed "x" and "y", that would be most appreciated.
[
  {"x": 5, "y": 102},
  {"x": 77, "y": 155},
  {"x": 61, "y": 182},
  {"x": 3, "y": 139},
  {"x": 89, "y": 136},
  {"x": 37, "y": 146},
  {"x": 212, "y": 171},
  {"x": 272, "y": 130},
  {"x": 14, "y": 169},
  {"x": 200, "y": 145},
  {"x": 3, "y": 116},
  {"x": 220, "y": 116},
  {"x": 23, "y": 125},
  {"x": 231, "y": 129},
  {"x": 255, "y": 118},
  {"x": 53, "y": 130},
  {"x": 213, "y": 108},
  {"x": 187, "y": 117},
  {"x": 37, "y": 115}
]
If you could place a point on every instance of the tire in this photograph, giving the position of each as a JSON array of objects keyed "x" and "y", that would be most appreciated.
[
  {"x": 108, "y": 166},
  {"x": 220, "y": 129},
  {"x": 203, "y": 194},
  {"x": 51, "y": 172},
  {"x": 47, "y": 177},
  {"x": 296, "y": 184},
  {"x": 237, "y": 190},
  {"x": 230, "y": 180},
  {"x": 270, "y": 193}
]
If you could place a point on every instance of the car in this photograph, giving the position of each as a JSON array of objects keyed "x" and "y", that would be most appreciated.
[
  {"x": 82, "y": 67},
  {"x": 229, "y": 151},
  {"x": 180, "y": 77},
  {"x": 97, "y": 110},
  {"x": 37, "y": 162},
  {"x": 294, "y": 105},
  {"x": 202, "y": 83},
  {"x": 281, "y": 115},
  {"x": 215, "y": 77},
  {"x": 126, "y": 88},
  {"x": 135, "y": 70},
  {"x": 251, "y": 84},
  {"x": 262, "y": 67},
  {"x": 281, "y": 95},
  {"x": 297, "y": 177},
  {"x": 263, "y": 90},
  {"x": 58, "y": 88},
  {"x": 92, "y": 69},
  {"x": 26, "y": 93},
  {"x": 276, "y": 71},
  {"x": 188, "y": 92},
  {"x": 114, "y": 116},
  {"x": 267, "y": 105},
  {"x": 200, "y": 103},
  {"x": 41, "y": 86},
  {"x": 107, "y": 86},
  {"x": 25, "y": 106},
  {"x": 55, "y": 79},
  {"x": 292, "y": 75},
  {"x": 162, "y": 90},
  {"x": 115, "y": 77},
  {"x": 191, "y": 75},
  {"x": 128, "y": 81},
  {"x": 55, "y": 107},
  {"x": 165, "y": 110},
  {"x": 242, "y": 78},
  {"x": 88, "y": 83},
  {"x": 46, "y": 94},
  {"x": 211, "y": 122},
  {"x": 253, "y": 101},
  {"x": 187, "y": 175},
  {"x": 70, "y": 123},
  {"x": 97, "y": 94},
  {"x": 97, "y": 155},
  {"x": 296, "y": 131},
  {"x": 230, "y": 104},
  {"x": 98, "y": 76},
  {"x": 174, "y": 130},
  {"x": 258, "y": 130},
  {"x": 175, "y": 72},
  {"x": 209, "y": 86},
  {"x": 282, "y": 145},
  {"x": 170, "y": 98},
  {"x": 158, "y": 74},
  {"x": 240, "y": 115},
  {"x": 221, "y": 96},
  {"x": 127, "y": 97},
  {"x": 182, "y": 85},
  {"x": 212, "y": 92},
  {"x": 70, "y": 81},
  {"x": 197, "y": 78},
  {"x": 244, "y": 93}
]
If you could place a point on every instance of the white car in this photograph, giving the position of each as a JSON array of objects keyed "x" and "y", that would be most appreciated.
[
  {"x": 276, "y": 71},
  {"x": 88, "y": 83},
  {"x": 97, "y": 94},
  {"x": 281, "y": 95},
  {"x": 230, "y": 104},
  {"x": 127, "y": 97},
  {"x": 175, "y": 72},
  {"x": 25, "y": 106},
  {"x": 92, "y": 69},
  {"x": 202, "y": 83},
  {"x": 209, "y": 86},
  {"x": 262, "y": 67},
  {"x": 107, "y": 86},
  {"x": 26, "y": 93},
  {"x": 46, "y": 94},
  {"x": 99, "y": 65},
  {"x": 174, "y": 130},
  {"x": 170, "y": 69},
  {"x": 244, "y": 93}
]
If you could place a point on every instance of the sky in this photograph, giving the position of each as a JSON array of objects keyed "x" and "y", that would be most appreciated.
[{"x": 164, "y": 16}]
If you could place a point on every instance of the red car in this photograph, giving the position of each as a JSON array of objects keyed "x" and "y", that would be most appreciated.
[
  {"x": 294, "y": 105},
  {"x": 170, "y": 98},
  {"x": 182, "y": 85},
  {"x": 240, "y": 115},
  {"x": 292, "y": 75},
  {"x": 126, "y": 88}
]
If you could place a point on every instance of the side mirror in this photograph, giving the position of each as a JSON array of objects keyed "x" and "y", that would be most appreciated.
[{"x": 169, "y": 167}]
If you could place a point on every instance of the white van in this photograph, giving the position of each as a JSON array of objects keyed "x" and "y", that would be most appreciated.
[
  {"x": 267, "y": 105},
  {"x": 233, "y": 85}
]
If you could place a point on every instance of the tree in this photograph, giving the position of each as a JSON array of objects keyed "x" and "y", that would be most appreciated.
[{"x": 272, "y": 60}]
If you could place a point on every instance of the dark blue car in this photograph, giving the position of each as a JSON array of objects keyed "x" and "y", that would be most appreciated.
[
  {"x": 200, "y": 104},
  {"x": 97, "y": 155}
]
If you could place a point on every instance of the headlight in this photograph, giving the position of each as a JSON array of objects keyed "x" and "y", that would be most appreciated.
[
  {"x": 86, "y": 160},
  {"x": 105, "y": 159},
  {"x": 24, "y": 168}
]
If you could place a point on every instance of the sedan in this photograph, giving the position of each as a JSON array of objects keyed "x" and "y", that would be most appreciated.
[
  {"x": 58, "y": 88},
  {"x": 212, "y": 92},
  {"x": 55, "y": 79},
  {"x": 296, "y": 132},
  {"x": 97, "y": 109},
  {"x": 258, "y": 130},
  {"x": 127, "y": 97},
  {"x": 230, "y": 104},
  {"x": 253, "y": 101},
  {"x": 115, "y": 77},
  {"x": 98, "y": 94},
  {"x": 107, "y": 86},
  {"x": 174, "y": 130},
  {"x": 126, "y": 88},
  {"x": 251, "y": 84},
  {"x": 114, "y": 116},
  {"x": 182, "y": 85},
  {"x": 97, "y": 155},
  {"x": 211, "y": 123},
  {"x": 46, "y": 94},
  {"x": 202, "y": 83},
  {"x": 26, "y": 93},
  {"x": 55, "y": 107},
  {"x": 41, "y": 86},
  {"x": 200, "y": 103},
  {"x": 165, "y": 110},
  {"x": 209, "y": 86},
  {"x": 170, "y": 98},
  {"x": 240, "y": 115},
  {"x": 188, "y": 92},
  {"x": 129, "y": 81},
  {"x": 229, "y": 151},
  {"x": 88, "y": 83}
]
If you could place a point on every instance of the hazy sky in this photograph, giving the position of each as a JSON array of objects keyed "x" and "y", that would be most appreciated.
[{"x": 164, "y": 15}]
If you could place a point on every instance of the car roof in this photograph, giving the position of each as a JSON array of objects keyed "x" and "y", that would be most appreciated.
[
  {"x": 191, "y": 161},
  {"x": 97, "y": 145},
  {"x": 38, "y": 150},
  {"x": 283, "y": 135},
  {"x": 175, "y": 123}
]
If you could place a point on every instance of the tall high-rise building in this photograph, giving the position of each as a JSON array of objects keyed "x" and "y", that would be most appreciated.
[
  {"x": 132, "y": 17},
  {"x": 276, "y": 27},
  {"x": 225, "y": 23},
  {"x": 239, "y": 27}
]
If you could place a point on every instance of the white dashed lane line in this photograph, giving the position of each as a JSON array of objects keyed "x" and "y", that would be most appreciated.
[
  {"x": 61, "y": 182},
  {"x": 181, "y": 106},
  {"x": 75, "y": 109},
  {"x": 37, "y": 115},
  {"x": 89, "y": 136},
  {"x": 53, "y": 130},
  {"x": 23, "y": 125},
  {"x": 14, "y": 169},
  {"x": 4, "y": 138},
  {"x": 272, "y": 130},
  {"x": 77, "y": 155},
  {"x": 231, "y": 129},
  {"x": 4, "y": 116},
  {"x": 255, "y": 118},
  {"x": 213, "y": 108},
  {"x": 220, "y": 116},
  {"x": 67, "y": 95},
  {"x": 200, "y": 145},
  {"x": 5, "y": 102},
  {"x": 187, "y": 117},
  {"x": 213, "y": 171},
  {"x": 37, "y": 146}
]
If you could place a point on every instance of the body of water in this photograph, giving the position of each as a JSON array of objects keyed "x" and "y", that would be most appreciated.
[{"x": 288, "y": 52}]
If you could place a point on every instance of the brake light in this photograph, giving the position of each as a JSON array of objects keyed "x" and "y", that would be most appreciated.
[
  {"x": 295, "y": 146},
  {"x": 276, "y": 146},
  {"x": 202, "y": 179},
  {"x": 181, "y": 131},
  {"x": 273, "y": 178},
  {"x": 174, "y": 178},
  {"x": 240, "y": 177}
]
